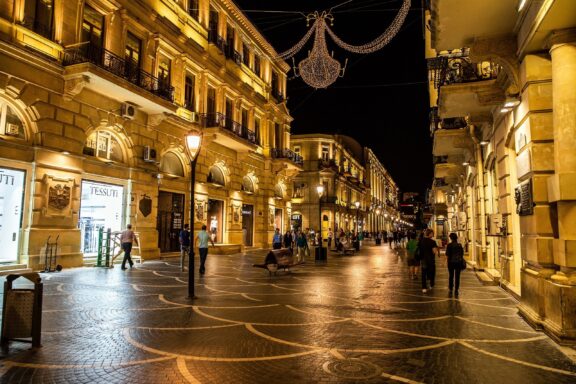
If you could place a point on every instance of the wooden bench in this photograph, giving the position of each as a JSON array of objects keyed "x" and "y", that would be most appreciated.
[{"x": 278, "y": 259}]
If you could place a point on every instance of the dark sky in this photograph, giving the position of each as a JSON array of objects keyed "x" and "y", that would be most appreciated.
[{"x": 382, "y": 100}]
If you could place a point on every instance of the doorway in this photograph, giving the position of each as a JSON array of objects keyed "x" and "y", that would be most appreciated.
[
  {"x": 216, "y": 220},
  {"x": 101, "y": 206},
  {"x": 247, "y": 224},
  {"x": 278, "y": 219},
  {"x": 11, "y": 203},
  {"x": 170, "y": 220}
]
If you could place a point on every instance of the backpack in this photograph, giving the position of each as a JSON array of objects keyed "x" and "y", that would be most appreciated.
[{"x": 457, "y": 253}]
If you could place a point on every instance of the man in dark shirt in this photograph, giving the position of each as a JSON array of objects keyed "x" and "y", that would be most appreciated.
[
  {"x": 428, "y": 252},
  {"x": 184, "y": 245}
]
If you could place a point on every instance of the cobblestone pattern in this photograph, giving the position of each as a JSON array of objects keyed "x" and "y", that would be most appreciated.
[{"x": 358, "y": 319}]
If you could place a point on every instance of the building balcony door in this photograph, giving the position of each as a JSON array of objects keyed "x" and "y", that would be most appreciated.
[{"x": 169, "y": 220}]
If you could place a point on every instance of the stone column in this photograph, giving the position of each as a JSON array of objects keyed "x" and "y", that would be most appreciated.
[{"x": 562, "y": 185}]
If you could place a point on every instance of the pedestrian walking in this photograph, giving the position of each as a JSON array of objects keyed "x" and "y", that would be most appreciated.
[
  {"x": 127, "y": 237},
  {"x": 277, "y": 239},
  {"x": 412, "y": 259},
  {"x": 390, "y": 238},
  {"x": 330, "y": 236},
  {"x": 302, "y": 246},
  {"x": 184, "y": 239},
  {"x": 428, "y": 250},
  {"x": 201, "y": 241},
  {"x": 456, "y": 262},
  {"x": 288, "y": 240}
]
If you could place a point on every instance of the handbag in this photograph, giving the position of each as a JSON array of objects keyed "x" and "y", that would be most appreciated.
[{"x": 463, "y": 265}]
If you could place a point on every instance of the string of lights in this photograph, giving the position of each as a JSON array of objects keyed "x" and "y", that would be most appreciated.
[{"x": 381, "y": 40}]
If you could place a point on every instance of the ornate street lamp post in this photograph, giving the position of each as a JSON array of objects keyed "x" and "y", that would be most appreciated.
[
  {"x": 357, "y": 204},
  {"x": 320, "y": 250},
  {"x": 193, "y": 140}
]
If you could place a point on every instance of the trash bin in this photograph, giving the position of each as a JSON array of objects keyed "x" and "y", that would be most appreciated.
[{"x": 22, "y": 311}]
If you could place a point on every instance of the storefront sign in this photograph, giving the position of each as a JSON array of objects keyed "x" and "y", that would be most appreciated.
[
  {"x": 296, "y": 217},
  {"x": 523, "y": 198},
  {"x": 102, "y": 190}
]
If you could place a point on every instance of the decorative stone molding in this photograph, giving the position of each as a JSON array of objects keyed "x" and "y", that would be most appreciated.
[
  {"x": 156, "y": 120},
  {"x": 73, "y": 86},
  {"x": 58, "y": 193},
  {"x": 502, "y": 51}
]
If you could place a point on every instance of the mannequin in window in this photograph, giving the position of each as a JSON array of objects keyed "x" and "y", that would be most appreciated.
[{"x": 213, "y": 227}]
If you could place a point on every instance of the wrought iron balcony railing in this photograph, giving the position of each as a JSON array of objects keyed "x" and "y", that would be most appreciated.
[
  {"x": 437, "y": 123},
  {"x": 456, "y": 68},
  {"x": 210, "y": 120},
  {"x": 217, "y": 40},
  {"x": 128, "y": 70},
  {"x": 285, "y": 153},
  {"x": 276, "y": 94},
  {"x": 327, "y": 163}
]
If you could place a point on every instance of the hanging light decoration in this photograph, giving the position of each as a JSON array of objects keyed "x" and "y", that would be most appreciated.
[{"x": 320, "y": 69}]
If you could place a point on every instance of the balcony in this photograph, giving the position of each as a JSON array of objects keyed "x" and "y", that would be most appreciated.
[
  {"x": 233, "y": 54},
  {"x": 217, "y": 40},
  {"x": 277, "y": 95},
  {"x": 287, "y": 154},
  {"x": 437, "y": 123},
  {"x": 97, "y": 64},
  {"x": 465, "y": 88},
  {"x": 327, "y": 164},
  {"x": 228, "y": 132}
]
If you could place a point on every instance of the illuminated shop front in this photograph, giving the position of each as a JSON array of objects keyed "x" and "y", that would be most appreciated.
[
  {"x": 101, "y": 206},
  {"x": 11, "y": 202}
]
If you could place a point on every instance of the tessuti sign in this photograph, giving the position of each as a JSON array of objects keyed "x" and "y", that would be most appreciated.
[{"x": 11, "y": 199}]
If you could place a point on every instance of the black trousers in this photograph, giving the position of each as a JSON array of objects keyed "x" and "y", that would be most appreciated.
[
  {"x": 127, "y": 247},
  {"x": 203, "y": 256},
  {"x": 454, "y": 276},
  {"x": 428, "y": 273}
]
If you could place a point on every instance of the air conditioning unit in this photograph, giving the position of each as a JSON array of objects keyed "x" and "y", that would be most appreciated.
[
  {"x": 495, "y": 224},
  {"x": 149, "y": 154},
  {"x": 194, "y": 117},
  {"x": 128, "y": 111},
  {"x": 12, "y": 129}
]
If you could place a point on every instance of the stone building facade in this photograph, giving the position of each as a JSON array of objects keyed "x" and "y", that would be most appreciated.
[
  {"x": 503, "y": 118},
  {"x": 350, "y": 173},
  {"x": 96, "y": 97}
]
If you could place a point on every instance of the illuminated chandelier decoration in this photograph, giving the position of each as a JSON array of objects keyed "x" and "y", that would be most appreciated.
[{"x": 320, "y": 69}]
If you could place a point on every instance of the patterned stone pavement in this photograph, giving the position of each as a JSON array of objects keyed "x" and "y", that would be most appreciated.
[{"x": 357, "y": 319}]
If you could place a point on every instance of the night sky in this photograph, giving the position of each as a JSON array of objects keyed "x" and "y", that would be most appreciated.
[{"x": 382, "y": 100}]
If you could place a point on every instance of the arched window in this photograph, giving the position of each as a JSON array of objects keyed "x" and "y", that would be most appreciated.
[
  {"x": 10, "y": 124},
  {"x": 248, "y": 184},
  {"x": 104, "y": 145},
  {"x": 216, "y": 176},
  {"x": 171, "y": 164},
  {"x": 278, "y": 191}
]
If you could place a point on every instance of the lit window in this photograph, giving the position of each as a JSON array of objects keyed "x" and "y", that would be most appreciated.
[
  {"x": 104, "y": 145},
  {"x": 216, "y": 176},
  {"x": 10, "y": 123},
  {"x": 325, "y": 152},
  {"x": 189, "y": 90},
  {"x": 164, "y": 71}
]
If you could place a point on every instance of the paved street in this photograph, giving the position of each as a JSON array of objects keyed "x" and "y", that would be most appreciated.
[{"x": 356, "y": 320}]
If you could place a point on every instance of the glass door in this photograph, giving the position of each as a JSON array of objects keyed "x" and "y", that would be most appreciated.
[{"x": 11, "y": 203}]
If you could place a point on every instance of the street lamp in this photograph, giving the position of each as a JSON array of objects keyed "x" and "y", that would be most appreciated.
[
  {"x": 193, "y": 140},
  {"x": 320, "y": 190}
]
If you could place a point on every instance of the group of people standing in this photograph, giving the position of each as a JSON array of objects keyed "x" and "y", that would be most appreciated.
[
  {"x": 296, "y": 241},
  {"x": 422, "y": 254}
]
